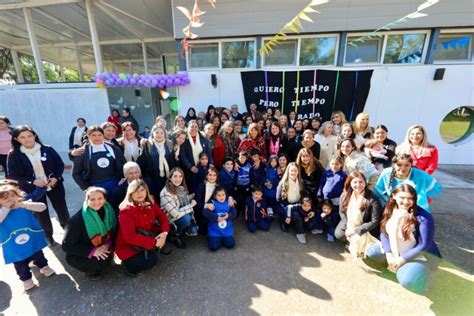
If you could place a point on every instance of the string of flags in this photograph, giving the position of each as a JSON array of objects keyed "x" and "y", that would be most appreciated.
[{"x": 462, "y": 42}]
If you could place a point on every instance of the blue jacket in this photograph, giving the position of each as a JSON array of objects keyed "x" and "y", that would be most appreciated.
[
  {"x": 213, "y": 228},
  {"x": 255, "y": 210},
  {"x": 19, "y": 167},
  {"x": 332, "y": 220},
  {"x": 227, "y": 180},
  {"x": 186, "y": 152},
  {"x": 332, "y": 184},
  {"x": 243, "y": 175},
  {"x": 274, "y": 179},
  {"x": 297, "y": 210},
  {"x": 258, "y": 175},
  {"x": 424, "y": 236}
]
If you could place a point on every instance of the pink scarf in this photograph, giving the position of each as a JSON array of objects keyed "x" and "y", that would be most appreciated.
[{"x": 274, "y": 146}]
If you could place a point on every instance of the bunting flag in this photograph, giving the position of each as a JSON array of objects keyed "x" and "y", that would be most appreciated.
[
  {"x": 294, "y": 25},
  {"x": 310, "y": 93},
  {"x": 462, "y": 42}
]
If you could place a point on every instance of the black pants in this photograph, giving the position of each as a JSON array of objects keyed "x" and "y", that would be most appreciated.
[
  {"x": 89, "y": 266},
  {"x": 144, "y": 260},
  {"x": 57, "y": 197},
  {"x": 23, "y": 269},
  {"x": 299, "y": 224}
]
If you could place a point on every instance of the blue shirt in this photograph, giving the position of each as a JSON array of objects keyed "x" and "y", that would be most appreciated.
[{"x": 216, "y": 228}]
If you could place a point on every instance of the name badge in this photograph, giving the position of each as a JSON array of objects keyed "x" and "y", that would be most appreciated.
[{"x": 103, "y": 163}]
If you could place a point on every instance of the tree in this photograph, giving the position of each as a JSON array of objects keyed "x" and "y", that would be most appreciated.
[{"x": 6, "y": 63}]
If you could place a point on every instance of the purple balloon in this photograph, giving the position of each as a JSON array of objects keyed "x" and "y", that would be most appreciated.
[
  {"x": 161, "y": 84},
  {"x": 165, "y": 77},
  {"x": 107, "y": 82},
  {"x": 133, "y": 81},
  {"x": 129, "y": 76},
  {"x": 154, "y": 83},
  {"x": 169, "y": 82},
  {"x": 140, "y": 83},
  {"x": 177, "y": 82}
]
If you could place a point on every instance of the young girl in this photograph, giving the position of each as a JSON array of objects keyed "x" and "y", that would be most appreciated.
[
  {"x": 338, "y": 118},
  {"x": 332, "y": 182},
  {"x": 289, "y": 191},
  {"x": 327, "y": 220},
  {"x": 220, "y": 214},
  {"x": 204, "y": 191},
  {"x": 242, "y": 169},
  {"x": 373, "y": 149},
  {"x": 21, "y": 236},
  {"x": 301, "y": 216},
  {"x": 257, "y": 171},
  {"x": 271, "y": 183},
  {"x": 256, "y": 215},
  {"x": 227, "y": 176},
  {"x": 407, "y": 233},
  {"x": 283, "y": 161},
  {"x": 203, "y": 165}
]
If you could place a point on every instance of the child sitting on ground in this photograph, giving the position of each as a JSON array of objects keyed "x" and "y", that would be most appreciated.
[
  {"x": 332, "y": 182},
  {"x": 326, "y": 220},
  {"x": 220, "y": 214},
  {"x": 21, "y": 236},
  {"x": 271, "y": 183},
  {"x": 302, "y": 217},
  {"x": 255, "y": 211},
  {"x": 373, "y": 149}
]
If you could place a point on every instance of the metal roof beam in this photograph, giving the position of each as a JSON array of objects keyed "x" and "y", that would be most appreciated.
[
  {"x": 106, "y": 42},
  {"x": 117, "y": 20},
  {"x": 34, "y": 3}
]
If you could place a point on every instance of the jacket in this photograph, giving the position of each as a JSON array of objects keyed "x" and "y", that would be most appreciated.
[
  {"x": 149, "y": 161},
  {"x": 315, "y": 149},
  {"x": 255, "y": 210},
  {"x": 272, "y": 178},
  {"x": 332, "y": 184},
  {"x": 214, "y": 229},
  {"x": 71, "y": 137},
  {"x": 258, "y": 175},
  {"x": 172, "y": 206},
  {"x": 186, "y": 152},
  {"x": 248, "y": 144},
  {"x": 371, "y": 215},
  {"x": 218, "y": 150},
  {"x": 428, "y": 162},
  {"x": 227, "y": 179},
  {"x": 282, "y": 146},
  {"x": 150, "y": 218}
]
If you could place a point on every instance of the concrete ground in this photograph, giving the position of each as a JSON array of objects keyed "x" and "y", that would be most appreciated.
[{"x": 267, "y": 273}]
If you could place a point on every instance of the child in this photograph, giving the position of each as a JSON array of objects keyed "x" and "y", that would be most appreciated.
[
  {"x": 332, "y": 182},
  {"x": 203, "y": 165},
  {"x": 21, "y": 236},
  {"x": 220, "y": 215},
  {"x": 204, "y": 193},
  {"x": 326, "y": 220},
  {"x": 373, "y": 149},
  {"x": 302, "y": 216},
  {"x": 238, "y": 127},
  {"x": 289, "y": 191},
  {"x": 227, "y": 176},
  {"x": 146, "y": 132},
  {"x": 271, "y": 183},
  {"x": 257, "y": 171},
  {"x": 242, "y": 169},
  {"x": 255, "y": 213}
]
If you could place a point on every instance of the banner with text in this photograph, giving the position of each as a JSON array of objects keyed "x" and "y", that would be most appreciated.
[{"x": 308, "y": 92}]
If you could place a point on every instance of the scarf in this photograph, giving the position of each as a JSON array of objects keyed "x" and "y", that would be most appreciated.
[
  {"x": 176, "y": 152},
  {"x": 78, "y": 135},
  {"x": 196, "y": 147},
  {"x": 34, "y": 155},
  {"x": 131, "y": 149},
  {"x": 210, "y": 187},
  {"x": 274, "y": 146},
  {"x": 163, "y": 164},
  {"x": 98, "y": 230}
]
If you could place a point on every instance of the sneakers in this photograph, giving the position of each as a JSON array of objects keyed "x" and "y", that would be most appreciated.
[
  {"x": 301, "y": 238},
  {"x": 270, "y": 212},
  {"x": 191, "y": 231},
  {"x": 28, "y": 285},
  {"x": 330, "y": 238},
  {"x": 316, "y": 231},
  {"x": 47, "y": 271}
]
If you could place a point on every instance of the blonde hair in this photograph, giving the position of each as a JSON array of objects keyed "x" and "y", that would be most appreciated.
[
  {"x": 357, "y": 127},
  {"x": 5, "y": 190},
  {"x": 286, "y": 177},
  {"x": 251, "y": 127},
  {"x": 132, "y": 188},
  {"x": 341, "y": 115},
  {"x": 405, "y": 146}
]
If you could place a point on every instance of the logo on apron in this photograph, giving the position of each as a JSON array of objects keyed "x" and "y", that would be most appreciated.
[
  {"x": 103, "y": 162},
  {"x": 222, "y": 224},
  {"x": 22, "y": 239}
]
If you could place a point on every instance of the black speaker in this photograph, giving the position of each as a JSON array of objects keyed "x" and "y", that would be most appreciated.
[
  {"x": 214, "y": 80},
  {"x": 439, "y": 74},
  {"x": 137, "y": 93}
]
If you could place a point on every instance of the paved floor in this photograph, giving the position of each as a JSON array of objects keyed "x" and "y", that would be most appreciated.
[{"x": 267, "y": 273}]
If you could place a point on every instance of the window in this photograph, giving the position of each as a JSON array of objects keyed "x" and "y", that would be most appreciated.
[
  {"x": 238, "y": 54},
  {"x": 404, "y": 48},
  {"x": 204, "y": 55},
  {"x": 318, "y": 51},
  {"x": 457, "y": 125},
  {"x": 171, "y": 64},
  {"x": 366, "y": 52},
  {"x": 454, "y": 47},
  {"x": 283, "y": 54}
]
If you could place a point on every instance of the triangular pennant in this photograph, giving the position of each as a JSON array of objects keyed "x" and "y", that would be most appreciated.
[
  {"x": 416, "y": 15},
  {"x": 317, "y": 2},
  {"x": 303, "y": 16},
  {"x": 297, "y": 22},
  {"x": 426, "y": 4},
  {"x": 452, "y": 43},
  {"x": 445, "y": 45},
  {"x": 308, "y": 9},
  {"x": 185, "y": 12}
]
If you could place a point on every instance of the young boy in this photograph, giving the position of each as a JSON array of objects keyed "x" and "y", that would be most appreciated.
[
  {"x": 242, "y": 169},
  {"x": 332, "y": 182},
  {"x": 257, "y": 173},
  {"x": 326, "y": 220},
  {"x": 227, "y": 176},
  {"x": 302, "y": 216},
  {"x": 203, "y": 165},
  {"x": 255, "y": 211}
]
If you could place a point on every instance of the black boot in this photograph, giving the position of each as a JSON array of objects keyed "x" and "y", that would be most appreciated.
[
  {"x": 178, "y": 242},
  {"x": 284, "y": 227}
]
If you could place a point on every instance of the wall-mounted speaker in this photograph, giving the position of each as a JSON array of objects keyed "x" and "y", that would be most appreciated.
[
  {"x": 137, "y": 93},
  {"x": 214, "y": 80},
  {"x": 439, "y": 74}
]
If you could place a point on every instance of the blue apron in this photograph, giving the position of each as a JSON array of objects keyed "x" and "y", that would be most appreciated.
[
  {"x": 103, "y": 162},
  {"x": 220, "y": 229}
]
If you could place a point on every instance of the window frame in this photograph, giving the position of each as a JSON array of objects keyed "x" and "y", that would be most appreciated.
[
  {"x": 244, "y": 39},
  {"x": 470, "y": 48},
  {"x": 356, "y": 35}
]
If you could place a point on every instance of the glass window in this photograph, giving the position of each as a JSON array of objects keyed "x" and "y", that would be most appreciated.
[
  {"x": 204, "y": 55},
  {"x": 238, "y": 54},
  {"x": 404, "y": 48},
  {"x": 283, "y": 54},
  {"x": 453, "y": 47},
  {"x": 366, "y": 52},
  {"x": 171, "y": 64},
  {"x": 318, "y": 51},
  {"x": 457, "y": 125}
]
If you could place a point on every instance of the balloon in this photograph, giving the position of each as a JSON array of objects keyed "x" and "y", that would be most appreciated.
[
  {"x": 133, "y": 81},
  {"x": 154, "y": 83},
  {"x": 174, "y": 105},
  {"x": 129, "y": 76},
  {"x": 101, "y": 85},
  {"x": 122, "y": 76},
  {"x": 169, "y": 82},
  {"x": 140, "y": 83},
  {"x": 161, "y": 84},
  {"x": 135, "y": 75},
  {"x": 108, "y": 83},
  {"x": 165, "y": 77}
]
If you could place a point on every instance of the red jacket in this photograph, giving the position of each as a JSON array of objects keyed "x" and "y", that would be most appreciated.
[
  {"x": 116, "y": 121},
  {"x": 248, "y": 144},
  {"x": 133, "y": 217},
  {"x": 427, "y": 160},
  {"x": 218, "y": 151}
]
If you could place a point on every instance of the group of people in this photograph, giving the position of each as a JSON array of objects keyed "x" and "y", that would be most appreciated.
[{"x": 345, "y": 179}]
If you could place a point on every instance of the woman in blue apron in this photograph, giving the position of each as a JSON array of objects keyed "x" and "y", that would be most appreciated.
[{"x": 100, "y": 165}]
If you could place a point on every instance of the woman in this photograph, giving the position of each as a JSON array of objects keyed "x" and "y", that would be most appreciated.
[
  {"x": 230, "y": 138},
  {"x": 179, "y": 137},
  {"x": 346, "y": 131},
  {"x": 356, "y": 161},
  {"x": 402, "y": 171},
  {"x": 424, "y": 155},
  {"x": 160, "y": 120},
  {"x": 360, "y": 212},
  {"x": 114, "y": 118},
  {"x": 130, "y": 142},
  {"x": 100, "y": 165},
  {"x": 35, "y": 165},
  {"x": 276, "y": 142},
  {"x": 254, "y": 140},
  {"x": 283, "y": 162},
  {"x": 388, "y": 145},
  {"x": 309, "y": 143},
  {"x": 156, "y": 161},
  {"x": 362, "y": 129},
  {"x": 338, "y": 119},
  {"x": 89, "y": 235},
  {"x": 211, "y": 111},
  {"x": 190, "y": 115},
  {"x": 216, "y": 121},
  {"x": 5, "y": 141},
  {"x": 283, "y": 122},
  {"x": 178, "y": 205},
  {"x": 216, "y": 145},
  {"x": 306, "y": 125},
  {"x": 78, "y": 134},
  {"x": 298, "y": 126},
  {"x": 327, "y": 139},
  {"x": 110, "y": 132},
  {"x": 224, "y": 117},
  {"x": 179, "y": 122},
  {"x": 143, "y": 229},
  {"x": 311, "y": 172},
  {"x": 291, "y": 119},
  {"x": 316, "y": 124},
  {"x": 407, "y": 233},
  {"x": 189, "y": 153}
]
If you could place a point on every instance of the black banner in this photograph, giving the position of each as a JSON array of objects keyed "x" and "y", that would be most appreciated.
[{"x": 308, "y": 92}]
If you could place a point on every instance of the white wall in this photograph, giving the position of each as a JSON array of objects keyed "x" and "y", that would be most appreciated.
[
  {"x": 52, "y": 109},
  {"x": 399, "y": 96}
]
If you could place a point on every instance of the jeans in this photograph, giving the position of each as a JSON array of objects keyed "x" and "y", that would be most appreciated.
[
  {"x": 215, "y": 243},
  {"x": 260, "y": 224},
  {"x": 413, "y": 275},
  {"x": 183, "y": 224},
  {"x": 23, "y": 269}
]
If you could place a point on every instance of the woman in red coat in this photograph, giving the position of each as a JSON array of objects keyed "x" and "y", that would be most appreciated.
[
  {"x": 114, "y": 118},
  {"x": 254, "y": 140},
  {"x": 216, "y": 144},
  {"x": 143, "y": 229}
]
